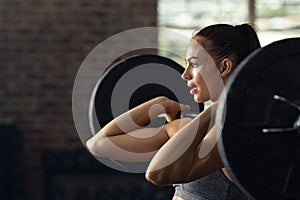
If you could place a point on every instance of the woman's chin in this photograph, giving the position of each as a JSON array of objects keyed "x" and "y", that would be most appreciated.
[{"x": 200, "y": 99}]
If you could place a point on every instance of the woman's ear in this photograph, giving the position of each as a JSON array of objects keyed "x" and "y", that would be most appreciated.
[{"x": 226, "y": 67}]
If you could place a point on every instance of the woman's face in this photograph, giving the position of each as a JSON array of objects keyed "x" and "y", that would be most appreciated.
[{"x": 202, "y": 75}]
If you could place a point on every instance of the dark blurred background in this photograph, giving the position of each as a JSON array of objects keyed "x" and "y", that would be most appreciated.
[{"x": 42, "y": 44}]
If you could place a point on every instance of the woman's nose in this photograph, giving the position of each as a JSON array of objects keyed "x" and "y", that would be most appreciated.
[{"x": 186, "y": 75}]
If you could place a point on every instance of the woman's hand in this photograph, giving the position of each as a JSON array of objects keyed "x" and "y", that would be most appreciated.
[{"x": 172, "y": 108}]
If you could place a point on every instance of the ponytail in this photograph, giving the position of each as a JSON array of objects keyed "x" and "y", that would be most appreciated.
[
  {"x": 223, "y": 40},
  {"x": 250, "y": 35}
]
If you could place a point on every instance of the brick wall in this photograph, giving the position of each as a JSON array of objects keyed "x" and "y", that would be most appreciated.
[{"x": 42, "y": 44}]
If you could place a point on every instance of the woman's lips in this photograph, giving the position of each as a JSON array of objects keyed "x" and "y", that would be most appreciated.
[{"x": 193, "y": 90}]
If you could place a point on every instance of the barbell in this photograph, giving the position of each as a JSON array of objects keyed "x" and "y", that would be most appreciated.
[
  {"x": 258, "y": 116},
  {"x": 136, "y": 79},
  {"x": 260, "y": 123}
]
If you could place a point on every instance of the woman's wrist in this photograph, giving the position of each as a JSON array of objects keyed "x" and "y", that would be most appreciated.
[
  {"x": 161, "y": 101},
  {"x": 164, "y": 102},
  {"x": 158, "y": 106}
]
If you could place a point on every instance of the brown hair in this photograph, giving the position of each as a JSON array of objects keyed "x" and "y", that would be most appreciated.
[{"x": 223, "y": 40}]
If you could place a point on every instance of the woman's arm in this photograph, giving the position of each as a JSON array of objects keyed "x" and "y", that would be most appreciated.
[
  {"x": 123, "y": 139},
  {"x": 182, "y": 159}
]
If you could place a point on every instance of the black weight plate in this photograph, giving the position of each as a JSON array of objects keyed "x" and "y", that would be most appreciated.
[
  {"x": 265, "y": 165},
  {"x": 137, "y": 79}
]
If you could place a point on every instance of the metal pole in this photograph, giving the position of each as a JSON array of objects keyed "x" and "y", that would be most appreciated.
[{"x": 251, "y": 11}]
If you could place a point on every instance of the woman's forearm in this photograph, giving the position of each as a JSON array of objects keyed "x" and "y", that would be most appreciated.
[
  {"x": 176, "y": 157},
  {"x": 123, "y": 138},
  {"x": 135, "y": 118}
]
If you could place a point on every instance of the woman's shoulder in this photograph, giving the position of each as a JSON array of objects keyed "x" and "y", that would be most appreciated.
[{"x": 174, "y": 126}]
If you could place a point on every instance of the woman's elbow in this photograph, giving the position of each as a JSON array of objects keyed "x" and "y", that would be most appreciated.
[
  {"x": 91, "y": 145},
  {"x": 158, "y": 178}
]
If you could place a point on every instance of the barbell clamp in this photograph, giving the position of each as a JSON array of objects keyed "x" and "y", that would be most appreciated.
[{"x": 296, "y": 125}]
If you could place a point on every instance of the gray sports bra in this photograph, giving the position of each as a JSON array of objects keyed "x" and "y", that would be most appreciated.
[{"x": 211, "y": 187}]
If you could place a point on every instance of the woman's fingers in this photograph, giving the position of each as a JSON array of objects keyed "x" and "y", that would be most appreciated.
[
  {"x": 185, "y": 107},
  {"x": 170, "y": 116}
]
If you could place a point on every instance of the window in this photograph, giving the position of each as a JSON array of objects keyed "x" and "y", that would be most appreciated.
[{"x": 275, "y": 19}]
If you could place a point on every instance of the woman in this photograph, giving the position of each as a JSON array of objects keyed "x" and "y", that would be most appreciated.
[{"x": 183, "y": 152}]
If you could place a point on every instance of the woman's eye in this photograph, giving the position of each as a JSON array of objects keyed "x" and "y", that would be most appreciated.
[{"x": 194, "y": 65}]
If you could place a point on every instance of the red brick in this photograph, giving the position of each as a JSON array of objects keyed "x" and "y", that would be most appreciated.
[{"x": 42, "y": 46}]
